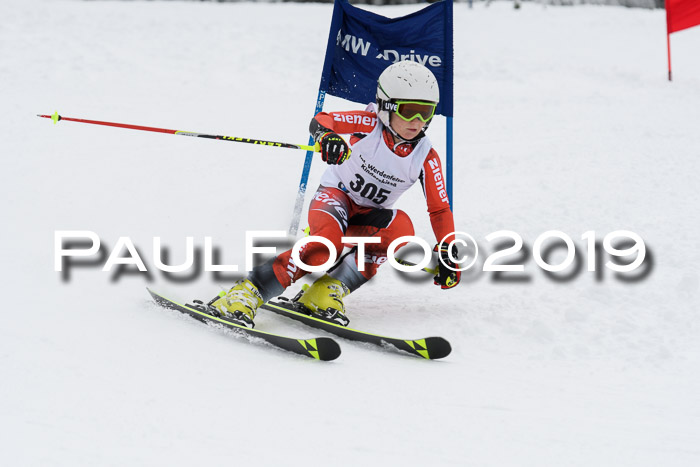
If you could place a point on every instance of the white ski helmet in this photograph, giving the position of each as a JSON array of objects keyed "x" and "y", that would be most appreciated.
[{"x": 406, "y": 80}]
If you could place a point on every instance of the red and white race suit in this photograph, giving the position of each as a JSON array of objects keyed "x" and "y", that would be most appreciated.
[{"x": 356, "y": 197}]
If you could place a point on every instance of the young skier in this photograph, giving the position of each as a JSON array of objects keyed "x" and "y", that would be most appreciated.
[{"x": 390, "y": 152}]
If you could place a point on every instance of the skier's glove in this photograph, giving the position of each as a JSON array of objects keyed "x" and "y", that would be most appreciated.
[
  {"x": 446, "y": 278},
  {"x": 334, "y": 149}
]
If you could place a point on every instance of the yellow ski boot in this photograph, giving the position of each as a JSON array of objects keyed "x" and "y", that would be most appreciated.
[
  {"x": 239, "y": 304},
  {"x": 324, "y": 300}
]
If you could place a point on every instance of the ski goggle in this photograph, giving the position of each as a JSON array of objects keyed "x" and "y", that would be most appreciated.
[{"x": 410, "y": 110}]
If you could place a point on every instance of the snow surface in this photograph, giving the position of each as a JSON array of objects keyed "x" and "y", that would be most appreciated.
[{"x": 564, "y": 120}]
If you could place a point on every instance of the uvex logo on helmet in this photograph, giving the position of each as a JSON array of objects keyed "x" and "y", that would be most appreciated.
[{"x": 390, "y": 106}]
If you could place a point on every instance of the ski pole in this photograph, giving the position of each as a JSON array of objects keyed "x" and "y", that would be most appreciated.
[
  {"x": 56, "y": 118},
  {"x": 408, "y": 263}
]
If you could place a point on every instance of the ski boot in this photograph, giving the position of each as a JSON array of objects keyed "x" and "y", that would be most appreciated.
[
  {"x": 239, "y": 304},
  {"x": 324, "y": 300}
]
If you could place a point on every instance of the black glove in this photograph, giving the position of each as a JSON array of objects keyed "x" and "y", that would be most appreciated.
[
  {"x": 446, "y": 278},
  {"x": 334, "y": 149}
]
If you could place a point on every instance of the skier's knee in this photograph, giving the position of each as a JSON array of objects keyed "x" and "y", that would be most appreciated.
[
  {"x": 317, "y": 253},
  {"x": 402, "y": 225}
]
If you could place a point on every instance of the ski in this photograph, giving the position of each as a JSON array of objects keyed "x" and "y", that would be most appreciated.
[
  {"x": 320, "y": 348},
  {"x": 431, "y": 348}
]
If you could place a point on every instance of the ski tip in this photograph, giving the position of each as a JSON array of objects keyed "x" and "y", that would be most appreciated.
[
  {"x": 329, "y": 348},
  {"x": 321, "y": 348},
  {"x": 439, "y": 347},
  {"x": 430, "y": 348}
]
